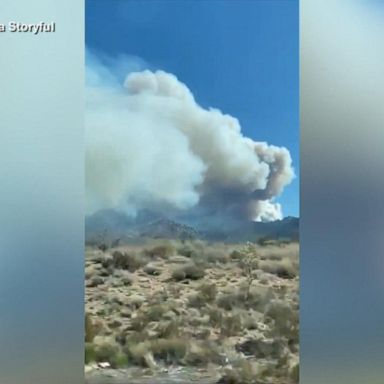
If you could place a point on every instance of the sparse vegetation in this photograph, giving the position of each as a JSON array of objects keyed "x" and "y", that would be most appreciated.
[
  {"x": 194, "y": 304},
  {"x": 128, "y": 260},
  {"x": 188, "y": 271}
]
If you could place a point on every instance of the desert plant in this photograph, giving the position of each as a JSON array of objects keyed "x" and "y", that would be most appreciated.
[
  {"x": 137, "y": 351},
  {"x": 249, "y": 264},
  {"x": 152, "y": 269},
  {"x": 191, "y": 250},
  {"x": 231, "y": 324},
  {"x": 163, "y": 251},
  {"x": 285, "y": 268},
  {"x": 102, "y": 241},
  {"x": 90, "y": 354},
  {"x": 119, "y": 360},
  {"x": 216, "y": 255},
  {"x": 169, "y": 350},
  {"x": 128, "y": 261},
  {"x": 244, "y": 373},
  {"x": 90, "y": 329},
  {"x": 106, "y": 352},
  {"x": 207, "y": 291},
  {"x": 265, "y": 241},
  {"x": 201, "y": 353},
  {"x": 236, "y": 255},
  {"x": 188, "y": 271}
]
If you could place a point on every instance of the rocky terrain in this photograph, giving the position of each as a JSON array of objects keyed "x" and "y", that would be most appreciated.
[{"x": 178, "y": 311}]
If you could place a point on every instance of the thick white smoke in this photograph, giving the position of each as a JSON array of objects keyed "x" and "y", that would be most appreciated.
[{"x": 150, "y": 145}]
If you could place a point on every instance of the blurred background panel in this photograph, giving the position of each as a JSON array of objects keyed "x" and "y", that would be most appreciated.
[
  {"x": 41, "y": 195},
  {"x": 342, "y": 212}
]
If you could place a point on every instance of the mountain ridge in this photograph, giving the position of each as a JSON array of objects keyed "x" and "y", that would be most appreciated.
[{"x": 148, "y": 224}]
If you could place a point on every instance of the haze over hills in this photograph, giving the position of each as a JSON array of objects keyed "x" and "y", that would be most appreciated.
[{"x": 149, "y": 224}]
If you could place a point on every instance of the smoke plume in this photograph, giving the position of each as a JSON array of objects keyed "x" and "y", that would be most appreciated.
[{"x": 150, "y": 145}]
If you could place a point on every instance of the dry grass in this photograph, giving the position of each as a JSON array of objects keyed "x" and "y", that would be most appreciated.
[{"x": 194, "y": 304}]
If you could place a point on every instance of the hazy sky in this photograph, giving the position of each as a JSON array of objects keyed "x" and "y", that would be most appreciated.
[{"x": 239, "y": 56}]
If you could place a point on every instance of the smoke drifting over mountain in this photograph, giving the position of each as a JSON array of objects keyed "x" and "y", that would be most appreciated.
[{"x": 150, "y": 145}]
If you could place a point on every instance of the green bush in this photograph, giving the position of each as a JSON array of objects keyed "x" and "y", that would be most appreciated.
[
  {"x": 119, "y": 360},
  {"x": 90, "y": 353}
]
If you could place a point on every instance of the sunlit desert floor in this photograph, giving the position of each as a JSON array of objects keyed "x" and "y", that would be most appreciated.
[{"x": 173, "y": 312}]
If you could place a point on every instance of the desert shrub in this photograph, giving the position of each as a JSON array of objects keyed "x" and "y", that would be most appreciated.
[
  {"x": 249, "y": 266},
  {"x": 156, "y": 312},
  {"x": 188, "y": 271},
  {"x": 228, "y": 301},
  {"x": 128, "y": 261},
  {"x": 170, "y": 351},
  {"x": 237, "y": 299},
  {"x": 137, "y": 351},
  {"x": 90, "y": 329},
  {"x": 90, "y": 354},
  {"x": 168, "y": 328},
  {"x": 106, "y": 261},
  {"x": 164, "y": 251},
  {"x": 103, "y": 247},
  {"x": 274, "y": 256},
  {"x": 294, "y": 372},
  {"x": 265, "y": 241},
  {"x": 216, "y": 256},
  {"x": 119, "y": 360},
  {"x": 244, "y": 373},
  {"x": 255, "y": 298},
  {"x": 134, "y": 337},
  {"x": 215, "y": 316},
  {"x": 106, "y": 352},
  {"x": 136, "y": 301},
  {"x": 144, "y": 317},
  {"x": 231, "y": 325},
  {"x": 285, "y": 268},
  {"x": 202, "y": 353},
  {"x": 261, "y": 348},
  {"x": 208, "y": 292},
  {"x": 139, "y": 322},
  {"x": 195, "y": 300},
  {"x": 95, "y": 281},
  {"x": 114, "y": 323},
  {"x": 101, "y": 241},
  {"x": 191, "y": 250},
  {"x": 236, "y": 255},
  {"x": 125, "y": 277},
  {"x": 286, "y": 320},
  {"x": 152, "y": 270}
]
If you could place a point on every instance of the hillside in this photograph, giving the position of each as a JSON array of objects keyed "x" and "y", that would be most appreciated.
[{"x": 112, "y": 225}]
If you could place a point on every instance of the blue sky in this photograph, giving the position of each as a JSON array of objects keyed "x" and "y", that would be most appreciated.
[{"x": 239, "y": 56}]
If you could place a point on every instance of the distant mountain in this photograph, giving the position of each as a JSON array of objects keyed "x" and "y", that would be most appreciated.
[
  {"x": 169, "y": 229},
  {"x": 110, "y": 225}
]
